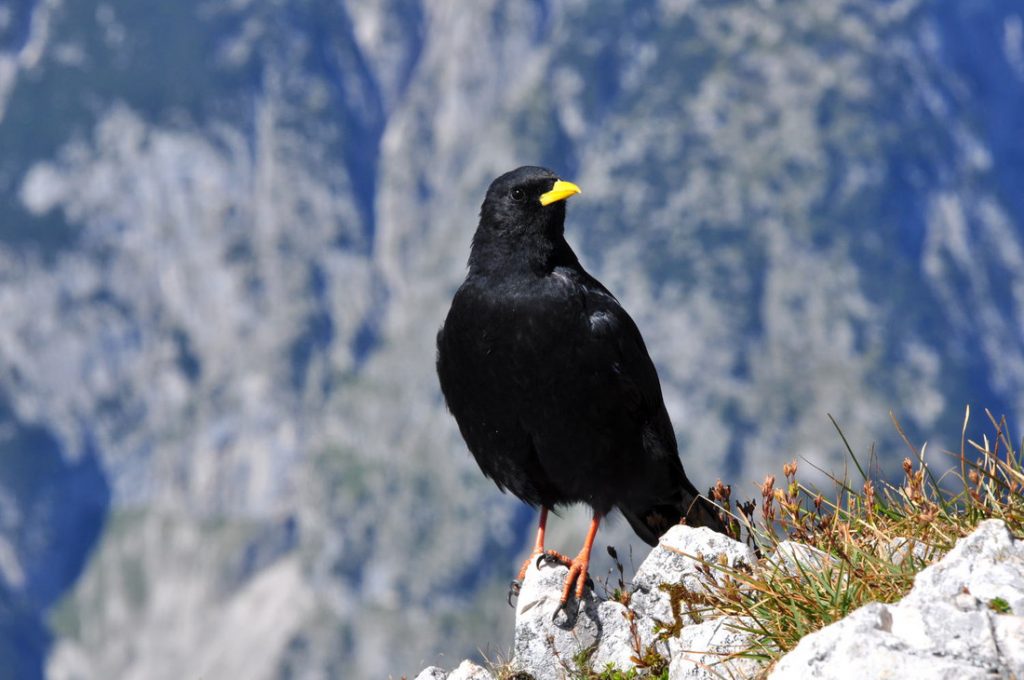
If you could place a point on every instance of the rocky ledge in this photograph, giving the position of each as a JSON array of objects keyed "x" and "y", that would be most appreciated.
[{"x": 964, "y": 618}]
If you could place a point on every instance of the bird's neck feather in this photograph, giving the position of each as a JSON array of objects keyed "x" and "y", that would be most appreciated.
[{"x": 528, "y": 254}]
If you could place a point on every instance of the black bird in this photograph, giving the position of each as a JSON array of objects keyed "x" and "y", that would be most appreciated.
[{"x": 550, "y": 381}]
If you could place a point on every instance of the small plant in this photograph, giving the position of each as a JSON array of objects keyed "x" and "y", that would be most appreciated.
[
  {"x": 610, "y": 672},
  {"x": 620, "y": 592},
  {"x": 999, "y": 605},
  {"x": 513, "y": 675},
  {"x": 503, "y": 668},
  {"x": 696, "y": 604}
]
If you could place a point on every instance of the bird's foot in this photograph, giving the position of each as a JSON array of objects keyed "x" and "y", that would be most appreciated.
[
  {"x": 513, "y": 590},
  {"x": 517, "y": 583},
  {"x": 548, "y": 557},
  {"x": 577, "y": 575},
  {"x": 551, "y": 557}
]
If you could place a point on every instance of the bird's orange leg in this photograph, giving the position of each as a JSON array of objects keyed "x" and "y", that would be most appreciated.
[
  {"x": 538, "y": 546},
  {"x": 538, "y": 551},
  {"x": 578, "y": 567}
]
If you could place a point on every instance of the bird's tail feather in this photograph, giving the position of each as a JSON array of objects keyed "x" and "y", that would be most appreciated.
[{"x": 651, "y": 522}]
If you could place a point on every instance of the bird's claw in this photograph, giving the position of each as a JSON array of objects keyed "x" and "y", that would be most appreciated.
[
  {"x": 551, "y": 558},
  {"x": 583, "y": 581},
  {"x": 513, "y": 590},
  {"x": 570, "y": 613},
  {"x": 562, "y": 607}
]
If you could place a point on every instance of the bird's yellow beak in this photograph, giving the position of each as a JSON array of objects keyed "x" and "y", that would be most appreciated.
[{"x": 559, "y": 192}]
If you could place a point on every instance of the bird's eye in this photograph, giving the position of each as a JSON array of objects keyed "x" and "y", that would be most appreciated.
[{"x": 518, "y": 194}]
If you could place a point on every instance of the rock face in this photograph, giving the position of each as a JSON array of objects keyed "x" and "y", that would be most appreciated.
[{"x": 963, "y": 619}]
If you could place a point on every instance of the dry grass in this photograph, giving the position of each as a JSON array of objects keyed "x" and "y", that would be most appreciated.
[{"x": 879, "y": 535}]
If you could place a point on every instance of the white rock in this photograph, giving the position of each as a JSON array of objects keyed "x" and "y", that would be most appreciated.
[
  {"x": 675, "y": 561},
  {"x": 432, "y": 673},
  {"x": 796, "y": 558},
  {"x": 943, "y": 628},
  {"x": 703, "y": 650},
  {"x": 987, "y": 564},
  {"x": 616, "y": 641},
  {"x": 1009, "y": 634},
  {"x": 468, "y": 670},
  {"x": 861, "y": 647},
  {"x": 901, "y": 548},
  {"x": 545, "y": 645}
]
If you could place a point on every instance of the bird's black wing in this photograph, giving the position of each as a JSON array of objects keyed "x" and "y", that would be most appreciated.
[
  {"x": 616, "y": 343},
  {"x": 482, "y": 392},
  {"x": 667, "y": 494}
]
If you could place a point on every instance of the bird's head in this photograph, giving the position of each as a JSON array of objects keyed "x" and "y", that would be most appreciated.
[
  {"x": 524, "y": 213},
  {"x": 527, "y": 199}
]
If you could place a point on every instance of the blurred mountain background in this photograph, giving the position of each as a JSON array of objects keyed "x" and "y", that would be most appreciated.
[{"x": 230, "y": 230}]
